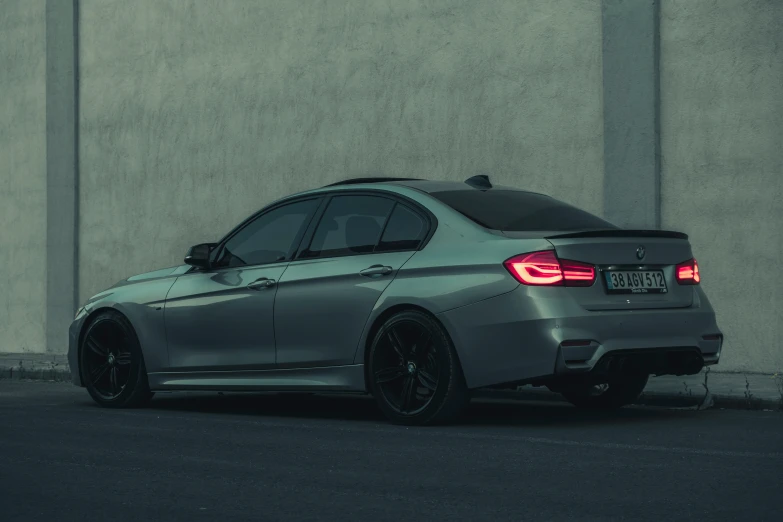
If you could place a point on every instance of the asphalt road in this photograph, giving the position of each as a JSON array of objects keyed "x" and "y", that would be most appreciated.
[{"x": 268, "y": 458}]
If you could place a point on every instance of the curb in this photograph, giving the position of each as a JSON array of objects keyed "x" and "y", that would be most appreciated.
[
  {"x": 18, "y": 373},
  {"x": 664, "y": 400}
]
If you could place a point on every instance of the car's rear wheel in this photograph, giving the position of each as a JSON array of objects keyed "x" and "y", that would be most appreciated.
[
  {"x": 414, "y": 372},
  {"x": 617, "y": 392},
  {"x": 111, "y": 362}
]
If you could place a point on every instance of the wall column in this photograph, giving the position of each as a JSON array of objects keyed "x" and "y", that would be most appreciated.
[
  {"x": 632, "y": 173},
  {"x": 61, "y": 170}
]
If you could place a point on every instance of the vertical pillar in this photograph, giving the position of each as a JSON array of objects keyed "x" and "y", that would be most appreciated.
[
  {"x": 61, "y": 170},
  {"x": 631, "y": 94}
]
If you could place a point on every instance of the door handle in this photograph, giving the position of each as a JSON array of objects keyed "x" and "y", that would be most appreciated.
[
  {"x": 260, "y": 284},
  {"x": 376, "y": 270}
]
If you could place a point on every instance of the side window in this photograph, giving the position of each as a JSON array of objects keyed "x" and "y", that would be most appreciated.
[
  {"x": 351, "y": 225},
  {"x": 405, "y": 231},
  {"x": 268, "y": 239}
]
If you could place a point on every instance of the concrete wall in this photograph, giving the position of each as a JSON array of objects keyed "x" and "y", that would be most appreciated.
[
  {"x": 722, "y": 162},
  {"x": 22, "y": 175},
  {"x": 195, "y": 114}
]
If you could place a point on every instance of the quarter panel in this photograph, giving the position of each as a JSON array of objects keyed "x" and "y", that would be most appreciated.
[
  {"x": 458, "y": 267},
  {"x": 461, "y": 265},
  {"x": 441, "y": 289},
  {"x": 435, "y": 291},
  {"x": 508, "y": 337}
]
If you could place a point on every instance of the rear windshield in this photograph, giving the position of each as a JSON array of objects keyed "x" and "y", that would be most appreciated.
[{"x": 518, "y": 211}]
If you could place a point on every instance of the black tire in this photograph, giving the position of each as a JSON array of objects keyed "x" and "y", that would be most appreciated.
[
  {"x": 618, "y": 392},
  {"x": 112, "y": 364},
  {"x": 413, "y": 352}
]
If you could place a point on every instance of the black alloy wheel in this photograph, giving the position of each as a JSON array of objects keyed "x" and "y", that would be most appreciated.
[
  {"x": 414, "y": 372},
  {"x": 112, "y": 367}
]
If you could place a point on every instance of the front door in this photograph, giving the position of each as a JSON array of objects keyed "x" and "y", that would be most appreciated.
[
  {"x": 223, "y": 318},
  {"x": 327, "y": 294}
]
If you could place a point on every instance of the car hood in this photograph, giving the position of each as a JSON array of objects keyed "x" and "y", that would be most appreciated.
[
  {"x": 112, "y": 295},
  {"x": 161, "y": 273},
  {"x": 155, "y": 274}
]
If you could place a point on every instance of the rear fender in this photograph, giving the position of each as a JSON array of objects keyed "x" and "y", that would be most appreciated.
[{"x": 435, "y": 291}]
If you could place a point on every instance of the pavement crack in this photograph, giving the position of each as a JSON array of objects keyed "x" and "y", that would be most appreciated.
[{"x": 708, "y": 401}]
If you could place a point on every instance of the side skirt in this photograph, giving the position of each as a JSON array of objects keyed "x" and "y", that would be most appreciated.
[{"x": 328, "y": 379}]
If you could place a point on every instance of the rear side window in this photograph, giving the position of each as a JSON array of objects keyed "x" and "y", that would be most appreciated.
[
  {"x": 518, "y": 211},
  {"x": 404, "y": 231},
  {"x": 351, "y": 225}
]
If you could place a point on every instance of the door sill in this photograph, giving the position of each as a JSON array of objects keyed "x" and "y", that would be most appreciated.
[{"x": 324, "y": 379}]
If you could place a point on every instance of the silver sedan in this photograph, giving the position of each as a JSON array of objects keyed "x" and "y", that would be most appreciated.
[{"x": 414, "y": 291}]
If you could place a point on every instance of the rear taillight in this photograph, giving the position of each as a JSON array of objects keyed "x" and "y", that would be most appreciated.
[
  {"x": 545, "y": 269},
  {"x": 577, "y": 274},
  {"x": 688, "y": 273}
]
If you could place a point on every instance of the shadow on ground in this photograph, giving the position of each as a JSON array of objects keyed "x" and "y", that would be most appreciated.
[{"x": 363, "y": 408}]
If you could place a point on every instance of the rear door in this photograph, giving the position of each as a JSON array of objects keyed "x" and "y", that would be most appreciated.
[{"x": 326, "y": 295}]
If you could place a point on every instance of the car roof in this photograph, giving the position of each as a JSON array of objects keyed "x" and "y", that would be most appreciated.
[
  {"x": 430, "y": 186},
  {"x": 423, "y": 186}
]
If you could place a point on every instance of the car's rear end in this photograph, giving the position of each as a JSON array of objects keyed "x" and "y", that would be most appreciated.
[
  {"x": 595, "y": 301},
  {"x": 639, "y": 299}
]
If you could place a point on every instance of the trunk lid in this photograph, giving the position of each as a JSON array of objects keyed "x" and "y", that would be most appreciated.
[{"x": 625, "y": 256}]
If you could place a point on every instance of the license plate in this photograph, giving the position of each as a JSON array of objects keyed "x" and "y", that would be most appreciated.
[{"x": 635, "y": 282}]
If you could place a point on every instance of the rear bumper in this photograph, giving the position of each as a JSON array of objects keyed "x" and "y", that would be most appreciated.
[
  {"x": 534, "y": 334},
  {"x": 654, "y": 361}
]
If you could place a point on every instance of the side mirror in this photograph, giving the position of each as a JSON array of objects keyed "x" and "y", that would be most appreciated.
[{"x": 198, "y": 255}]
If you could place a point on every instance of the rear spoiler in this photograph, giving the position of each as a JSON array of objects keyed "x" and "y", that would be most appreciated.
[{"x": 621, "y": 233}]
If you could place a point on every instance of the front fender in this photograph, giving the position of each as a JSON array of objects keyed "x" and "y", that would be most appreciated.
[{"x": 142, "y": 304}]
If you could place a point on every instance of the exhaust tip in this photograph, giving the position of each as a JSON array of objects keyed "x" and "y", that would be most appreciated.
[{"x": 694, "y": 365}]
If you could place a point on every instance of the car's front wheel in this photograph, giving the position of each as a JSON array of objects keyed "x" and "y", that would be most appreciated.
[
  {"x": 616, "y": 393},
  {"x": 414, "y": 372},
  {"x": 111, "y": 362}
]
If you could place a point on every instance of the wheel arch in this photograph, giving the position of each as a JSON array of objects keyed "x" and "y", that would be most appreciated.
[
  {"x": 86, "y": 326},
  {"x": 378, "y": 323}
]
